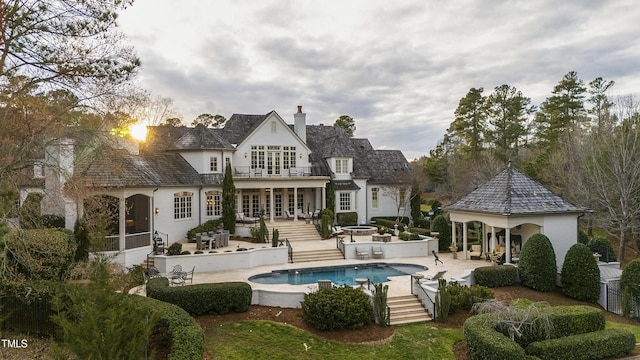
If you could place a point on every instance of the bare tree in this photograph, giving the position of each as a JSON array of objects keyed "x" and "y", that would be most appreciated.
[{"x": 613, "y": 170}]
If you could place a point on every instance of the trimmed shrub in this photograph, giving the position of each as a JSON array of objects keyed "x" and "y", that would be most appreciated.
[
  {"x": 49, "y": 221},
  {"x": 495, "y": 276},
  {"x": 422, "y": 223},
  {"x": 594, "y": 345},
  {"x": 442, "y": 226},
  {"x": 347, "y": 218},
  {"x": 209, "y": 225},
  {"x": 583, "y": 238},
  {"x": 603, "y": 247},
  {"x": 215, "y": 298},
  {"x": 537, "y": 264},
  {"x": 463, "y": 297},
  {"x": 630, "y": 285},
  {"x": 581, "y": 274},
  {"x": 337, "y": 308},
  {"x": 174, "y": 249},
  {"x": 484, "y": 342},
  {"x": 408, "y": 236}
]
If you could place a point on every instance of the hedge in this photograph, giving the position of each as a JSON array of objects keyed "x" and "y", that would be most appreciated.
[
  {"x": 210, "y": 225},
  {"x": 408, "y": 236},
  {"x": 347, "y": 218},
  {"x": 496, "y": 276},
  {"x": 581, "y": 274},
  {"x": 216, "y": 298},
  {"x": 484, "y": 342},
  {"x": 537, "y": 264},
  {"x": 603, "y": 247},
  {"x": 594, "y": 345}
]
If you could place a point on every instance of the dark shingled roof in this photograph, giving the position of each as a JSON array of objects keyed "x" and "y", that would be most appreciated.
[
  {"x": 513, "y": 193},
  {"x": 239, "y": 126},
  {"x": 201, "y": 138},
  {"x": 121, "y": 169}
]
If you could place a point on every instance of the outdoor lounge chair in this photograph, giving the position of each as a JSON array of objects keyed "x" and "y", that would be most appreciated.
[
  {"x": 476, "y": 251},
  {"x": 437, "y": 276},
  {"x": 361, "y": 253},
  {"x": 288, "y": 215},
  {"x": 376, "y": 252}
]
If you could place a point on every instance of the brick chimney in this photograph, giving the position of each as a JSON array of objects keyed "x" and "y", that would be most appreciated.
[{"x": 300, "y": 124}]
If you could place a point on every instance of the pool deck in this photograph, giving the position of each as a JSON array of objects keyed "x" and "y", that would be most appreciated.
[{"x": 398, "y": 285}]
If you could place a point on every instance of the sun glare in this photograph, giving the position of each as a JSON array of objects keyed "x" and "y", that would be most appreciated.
[{"x": 139, "y": 132}]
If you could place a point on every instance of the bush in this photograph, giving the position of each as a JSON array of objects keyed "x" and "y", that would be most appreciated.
[
  {"x": 174, "y": 249},
  {"x": 537, "y": 264},
  {"x": 486, "y": 343},
  {"x": 496, "y": 276},
  {"x": 583, "y": 238},
  {"x": 42, "y": 254},
  {"x": 325, "y": 224},
  {"x": 463, "y": 297},
  {"x": 215, "y": 298},
  {"x": 603, "y": 247},
  {"x": 442, "y": 226},
  {"x": 347, "y": 218},
  {"x": 50, "y": 221},
  {"x": 443, "y": 301},
  {"x": 594, "y": 345},
  {"x": 408, "y": 236},
  {"x": 630, "y": 285},
  {"x": 581, "y": 274},
  {"x": 422, "y": 223},
  {"x": 210, "y": 225},
  {"x": 337, "y": 308}
]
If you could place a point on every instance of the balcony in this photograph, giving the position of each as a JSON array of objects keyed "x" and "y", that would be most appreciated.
[{"x": 248, "y": 172}]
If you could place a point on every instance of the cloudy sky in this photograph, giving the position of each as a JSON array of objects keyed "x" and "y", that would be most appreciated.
[{"x": 398, "y": 68}]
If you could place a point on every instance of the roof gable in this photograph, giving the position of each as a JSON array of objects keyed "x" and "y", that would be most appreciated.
[
  {"x": 201, "y": 138},
  {"x": 513, "y": 193}
]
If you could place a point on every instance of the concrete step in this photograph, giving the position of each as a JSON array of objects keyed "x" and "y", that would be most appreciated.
[
  {"x": 317, "y": 255},
  {"x": 295, "y": 230},
  {"x": 406, "y": 309}
]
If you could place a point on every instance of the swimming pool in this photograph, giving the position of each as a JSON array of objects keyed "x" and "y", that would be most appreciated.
[{"x": 344, "y": 274}]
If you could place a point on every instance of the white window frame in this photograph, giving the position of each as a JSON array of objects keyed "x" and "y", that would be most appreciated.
[
  {"x": 375, "y": 198},
  {"x": 344, "y": 201},
  {"x": 342, "y": 166},
  {"x": 213, "y": 164},
  {"x": 182, "y": 205}
]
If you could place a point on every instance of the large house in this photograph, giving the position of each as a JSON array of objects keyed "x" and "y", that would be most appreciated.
[{"x": 173, "y": 181}]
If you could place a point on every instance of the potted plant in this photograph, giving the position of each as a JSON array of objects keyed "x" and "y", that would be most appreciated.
[{"x": 381, "y": 230}]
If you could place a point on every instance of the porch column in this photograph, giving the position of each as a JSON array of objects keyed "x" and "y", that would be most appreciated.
[
  {"x": 507, "y": 240},
  {"x": 122, "y": 202},
  {"x": 271, "y": 206},
  {"x": 239, "y": 203},
  {"x": 323, "y": 197},
  {"x": 453, "y": 233},
  {"x": 493, "y": 239},
  {"x": 295, "y": 204},
  {"x": 464, "y": 240}
]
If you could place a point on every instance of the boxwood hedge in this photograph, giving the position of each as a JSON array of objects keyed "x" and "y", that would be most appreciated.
[
  {"x": 537, "y": 264},
  {"x": 496, "y": 276},
  {"x": 216, "y": 298},
  {"x": 594, "y": 345}
]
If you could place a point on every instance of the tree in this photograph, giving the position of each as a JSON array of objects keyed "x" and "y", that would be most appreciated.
[
  {"x": 613, "y": 171},
  {"x": 470, "y": 122},
  {"x": 209, "y": 120},
  {"x": 600, "y": 103},
  {"x": 561, "y": 112},
  {"x": 71, "y": 44},
  {"x": 508, "y": 111},
  {"x": 228, "y": 200},
  {"x": 347, "y": 123},
  {"x": 416, "y": 201}
]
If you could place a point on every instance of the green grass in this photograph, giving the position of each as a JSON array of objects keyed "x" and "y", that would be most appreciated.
[
  {"x": 271, "y": 340},
  {"x": 425, "y": 207},
  {"x": 635, "y": 329}
]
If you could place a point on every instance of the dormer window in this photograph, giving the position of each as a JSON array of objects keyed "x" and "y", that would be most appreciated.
[
  {"x": 342, "y": 166},
  {"x": 213, "y": 164}
]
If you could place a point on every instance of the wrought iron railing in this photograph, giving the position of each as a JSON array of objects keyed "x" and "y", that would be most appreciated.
[
  {"x": 423, "y": 296},
  {"x": 131, "y": 241},
  {"x": 248, "y": 172},
  {"x": 286, "y": 241}
]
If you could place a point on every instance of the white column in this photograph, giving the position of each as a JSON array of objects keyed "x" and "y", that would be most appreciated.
[
  {"x": 295, "y": 204},
  {"x": 507, "y": 239},
  {"x": 122, "y": 223},
  {"x": 464, "y": 240},
  {"x": 271, "y": 205},
  {"x": 453, "y": 233},
  {"x": 323, "y": 197},
  {"x": 493, "y": 239}
]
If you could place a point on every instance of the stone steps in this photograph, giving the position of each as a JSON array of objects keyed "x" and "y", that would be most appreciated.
[
  {"x": 316, "y": 255},
  {"x": 295, "y": 230},
  {"x": 406, "y": 309}
]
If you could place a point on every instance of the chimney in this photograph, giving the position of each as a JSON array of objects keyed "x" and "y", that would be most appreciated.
[{"x": 300, "y": 124}]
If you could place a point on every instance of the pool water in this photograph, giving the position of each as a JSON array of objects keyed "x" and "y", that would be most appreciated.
[{"x": 345, "y": 274}]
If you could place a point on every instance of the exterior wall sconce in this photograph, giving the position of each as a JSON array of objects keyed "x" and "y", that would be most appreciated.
[
  {"x": 245, "y": 155},
  {"x": 209, "y": 202},
  {"x": 157, "y": 211},
  {"x": 300, "y": 156}
]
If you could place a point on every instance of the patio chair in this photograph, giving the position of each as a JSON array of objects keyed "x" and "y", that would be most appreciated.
[
  {"x": 176, "y": 275},
  {"x": 437, "y": 276},
  {"x": 361, "y": 253},
  {"x": 476, "y": 251},
  {"x": 325, "y": 284},
  {"x": 199, "y": 242},
  {"x": 288, "y": 215},
  {"x": 188, "y": 276},
  {"x": 301, "y": 214},
  {"x": 377, "y": 253}
]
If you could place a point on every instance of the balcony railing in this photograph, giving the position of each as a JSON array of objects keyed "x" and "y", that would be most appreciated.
[
  {"x": 131, "y": 241},
  {"x": 248, "y": 172}
]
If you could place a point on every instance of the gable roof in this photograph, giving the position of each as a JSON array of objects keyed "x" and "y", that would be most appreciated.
[
  {"x": 201, "y": 138},
  {"x": 513, "y": 193},
  {"x": 239, "y": 126}
]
